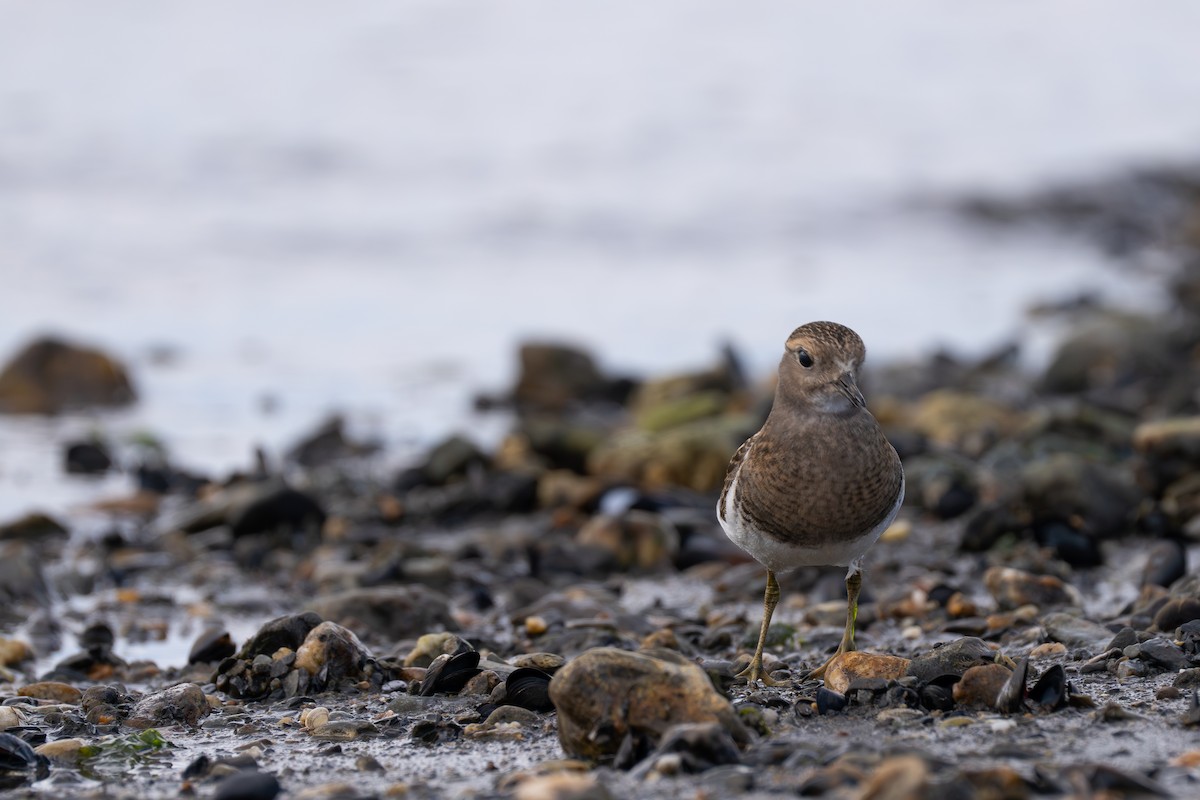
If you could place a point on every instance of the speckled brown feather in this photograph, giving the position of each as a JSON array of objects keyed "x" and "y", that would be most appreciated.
[{"x": 812, "y": 476}]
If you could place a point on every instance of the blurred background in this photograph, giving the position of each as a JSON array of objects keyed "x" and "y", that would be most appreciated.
[{"x": 271, "y": 211}]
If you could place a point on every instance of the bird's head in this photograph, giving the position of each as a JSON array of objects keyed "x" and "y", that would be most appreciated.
[{"x": 820, "y": 368}]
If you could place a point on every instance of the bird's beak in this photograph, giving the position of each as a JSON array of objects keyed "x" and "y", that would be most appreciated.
[{"x": 848, "y": 386}]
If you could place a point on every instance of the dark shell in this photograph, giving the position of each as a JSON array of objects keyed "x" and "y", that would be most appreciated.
[
  {"x": 829, "y": 701},
  {"x": 449, "y": 673},
  {"x": 937, "y": 698},
  {"x": 17, "y": 756},
  {"x": 529, "y": 688},
  {"x": 1050, "y": 691},
  {"x": 1012, "y": 695}
]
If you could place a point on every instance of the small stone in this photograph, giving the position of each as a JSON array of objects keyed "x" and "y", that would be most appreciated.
[
  {"x": 1076, "y": 632},
  {"x": 333, "y": 651},
  {"x": 431, "y": 645},
  {"x": 53, "y": 691},
  {"x": 1168, "y": 693},
  {"x": 535, "y": 626},
  {"x": 344, "y": 730},
  {"x": 1048, "y": 650},
  {"x": 11, "y": 717},
  {"x": 617, "y": 692},
  {"x": 1176, "y": 611},
  {"x": 248, "y": 784},
  {"x": 184, "y": 703},
  {"x": 546, "y": 662},
  {"x": 1013, "y": 588},
  {"x": 898, "y": 778},
  {"x": 507, "y": 714},
  {"x": 562, "y": 786},
  {"x": 952, "y": 658},
  {"x": 855, "y": 665},
  {"x": 981, "y": 686},
  {"x": 1164, "y": 653},
  {"x": 61, "y": 752}
]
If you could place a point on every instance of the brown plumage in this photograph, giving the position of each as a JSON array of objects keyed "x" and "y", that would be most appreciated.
[{"x": 820, "y": 482}]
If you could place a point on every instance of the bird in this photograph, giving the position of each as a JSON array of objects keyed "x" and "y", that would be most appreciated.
[{"x": 819, "y": 482}]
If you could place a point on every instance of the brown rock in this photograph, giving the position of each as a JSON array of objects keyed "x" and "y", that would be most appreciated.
[
  {"x": 1013, "y": 588},
  {"x": 554, "y": 376},
  {"x": 606, "y": 693},
  {"x": 980, "y": 686},
  {"x": 997, "y": 783},
  {"x": 333, "y": 651},
  {"x": 898, "y": 778},
  {"x": 637, "y": 540},
  {"x": 184, "y": 703},
  {"x": 53, "y": 691},
  {"x": 63, "y": 752},
  {"x": 14, "y": 651},
  {"x": 50, "y": 376},
  {"x": 848, "y": 667}
]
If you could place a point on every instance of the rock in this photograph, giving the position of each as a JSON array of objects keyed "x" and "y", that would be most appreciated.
[
  {"x": 607, "y": 694},
  {"x": 849, "y": 667},
  {"x": 1107, "y": 351},
  {"x": 1075, "y": 632},
  {"x": 637, "y": 540},
  {"x": 1166, "y": 562},
  {"x": 331, "y": 653},
  {"x": 14, "y": 651},
  {"x": 21, "y": 577},
  {"x": 54, "y": 691},
  {"x": 562, "y": 786},
  {"x": 61, "y": 752},
  {"x": 86, "y": 458},
  {"x": 965, "y": 422},
  {"x": 212, "y": 645},
  {"x": 698, "y": 746},
  {"x": 11, "y": 717},
  {"x": 328, "y": 444},
  {"x": 1163, "y": 653},
  {"x": 1013, "y": 588},
  {"x": 952, "y": 658},
  {"x": 289, "y": 631},
  {"x": 32, "y": 527},
  {"x": 555, "y": 377},
  {"x": 50, "y": 376},
  {"x": 1066, "y": 486},
  {"x": 693, "y": 455},
  {"x": 1176, "y": 611},
  {"x": 184, "y": 703},
  {"x": 432, "y": 645},
  {"x": 898, "y": 778},
  {"x": 981, "y": 686},
  {"x": 248, "y": 784},
  {"x": 452, "y": 458},
  {"x": 997, "y": 783},
  {"x": 278, "y": 509},
  {"x": 1170, "y": 450},
  {"x": 942, "y": 485},
  {"x": 390, "y": 613}
]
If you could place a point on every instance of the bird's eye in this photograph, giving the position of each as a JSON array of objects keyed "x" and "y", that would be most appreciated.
[{"x": 804, "y": 358}]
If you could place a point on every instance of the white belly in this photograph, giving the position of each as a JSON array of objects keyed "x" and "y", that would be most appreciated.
[{"x": 780, "y": 557}]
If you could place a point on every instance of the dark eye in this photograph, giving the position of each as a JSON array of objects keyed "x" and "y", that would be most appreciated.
[{"x": 804, "y": 358}]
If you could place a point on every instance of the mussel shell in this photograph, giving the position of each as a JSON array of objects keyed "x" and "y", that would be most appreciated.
[
  {"x": 829, "y": 701},
  {"x": 1012, "y": 695},
  {"x": 449, "y": 673},
  {"x": 1050, "y": 691},
  {"x": 529, "y": 688},
  {"x": 17, "y": 756},
  {"x": 937, "y": 698}
]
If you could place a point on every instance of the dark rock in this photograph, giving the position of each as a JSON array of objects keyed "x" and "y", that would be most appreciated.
[
  {"x": 1164, "y": 653},
  {"x": 248, "y": 784},
  {"x": 50, "y": 376},
  {"x": 1075, "y": 632},
  {"x": 1066, "y": 486},
  {"x": 1070, "y": 544},
  {"x": 1166, "y": 562},
  {"x": 289, "y": 631},
  {"x": 328, "y": 444},
  {"x": 1175, "y": 612},
  {"x": 86, "y": 458},
  {"x": 1013, "y": 588},
  {"x": 952, "y": 658},
  {"x": 636, "y": 540},
  {"x": 390, "y": 613},
  {"x": 555, "y": 377},
  {"x": 452, "y": 458},
  {"x": 212, "y": 645},
  {"x": 329, "y": 654},
  {"x": 1169, "y": 449},
  {"x": 283, "y": 508},
  {"x": 700, "y": 746},
  {"x": 941, "y": 485},
  {"x": 21, "y": 577},
  {"x": 184, "y": 703},
  {"x": 606, "y": 694},
  {"x": 32, "y": 528},
  {"x": 990, "y": 523}
]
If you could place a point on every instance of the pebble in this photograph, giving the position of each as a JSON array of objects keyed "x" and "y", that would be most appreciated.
[
  {"x": 1048, "y": 650},
  {"x": 53, "y": 691},
  {"x": 846, "y": 668},
  {"x": 981, "y": 685},
  {"x": 899, "y": 778},
  {"x": 61, "y": 752}
]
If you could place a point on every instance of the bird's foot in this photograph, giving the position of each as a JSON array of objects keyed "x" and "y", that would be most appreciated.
[{"x": 755, "y": 672}]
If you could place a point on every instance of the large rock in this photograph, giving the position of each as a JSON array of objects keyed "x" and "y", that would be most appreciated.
[
  {"x": 607, "y": 694},
  {"x": 390, "y": 613},
  {"x": 51, "y": 376},
  {"x": 555, "y": 377},
  {"x": 694, "y": 455}
]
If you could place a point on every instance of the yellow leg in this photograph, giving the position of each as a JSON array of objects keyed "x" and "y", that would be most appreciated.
[
  {"x": 853, "y": 587},
  {"x": 754, "y": 672}
]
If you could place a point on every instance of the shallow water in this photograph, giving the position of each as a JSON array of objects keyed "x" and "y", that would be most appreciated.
[{"x": 273, "y": 211}]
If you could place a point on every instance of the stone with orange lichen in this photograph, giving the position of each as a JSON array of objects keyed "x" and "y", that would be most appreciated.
[{"x": 848, "y": 667}]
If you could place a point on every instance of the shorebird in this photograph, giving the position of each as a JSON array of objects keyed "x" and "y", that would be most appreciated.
[{"x": 819, "y": 483}]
